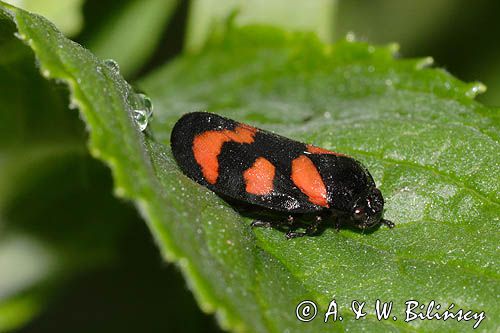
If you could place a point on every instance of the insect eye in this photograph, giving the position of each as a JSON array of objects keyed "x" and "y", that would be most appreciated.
[{"x": 359, "y": 213}]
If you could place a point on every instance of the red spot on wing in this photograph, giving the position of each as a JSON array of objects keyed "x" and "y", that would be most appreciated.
[
  {"x": 259, "y": 177},
  {"x": 207, "y": 147},
  {"x": 306, "y": 177},
  {"x": 317, "y": 150}
]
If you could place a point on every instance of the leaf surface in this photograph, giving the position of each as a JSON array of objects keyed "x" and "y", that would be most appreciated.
[
  {"x": 67, "y": 15},
  {"x": 432, "y": 149}
]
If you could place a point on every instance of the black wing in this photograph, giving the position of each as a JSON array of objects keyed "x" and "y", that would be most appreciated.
[{"x": 236, "y": 157}]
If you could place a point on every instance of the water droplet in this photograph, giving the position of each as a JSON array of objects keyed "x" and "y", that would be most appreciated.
[
  {"x": 141, "y": 119},
  {"x": 113, "y": 65},
  {"x": 388, "y": 82},
  {"x": 143, "y": 110},
  {"x": 146, "y": 102},
  {"x": 475, "y": 89}
]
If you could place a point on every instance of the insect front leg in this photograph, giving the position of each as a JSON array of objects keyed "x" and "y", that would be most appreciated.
[
  {"x": 261, "y": 224},
  {"x": 289, "y": 222},
  {"x": 388, "y": 223},
  {"x": 311, "y": 229}
]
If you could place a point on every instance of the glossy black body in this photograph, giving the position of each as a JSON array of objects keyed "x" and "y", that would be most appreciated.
[{"x": 344, "y": 177}]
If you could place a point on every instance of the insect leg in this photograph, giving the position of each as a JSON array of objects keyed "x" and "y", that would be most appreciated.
[
  {"x": 293, "y": 234},
  {"x": 336, "y": 217},
  {"x": 337, "y": 224},
  {"x": 388, "y": 223},
  {"x": 261, "y": 224},
  {"x": 310, "y": 230},
  {"x": 313, "y": 227},
  {"x": 290, "y": 221}
]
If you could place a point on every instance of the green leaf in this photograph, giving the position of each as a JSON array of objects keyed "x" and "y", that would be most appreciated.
[
  {"x": 207, "y": 17},
  {"x": 44, "y": 165},
  {"x": 67, "y": 14},
  {"x": 372, "y": 19},
  {"x": 429, "y": 145},
  {"x": 414, "y": 25},
  {"x": 27, "y": 138},
  {"x": 40, "y": 141}
]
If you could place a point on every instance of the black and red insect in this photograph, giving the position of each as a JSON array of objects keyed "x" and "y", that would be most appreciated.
[{"x": 274, "y": 173}]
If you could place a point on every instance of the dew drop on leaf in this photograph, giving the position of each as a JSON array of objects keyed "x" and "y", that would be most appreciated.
[
  {"x": 143, "y": 111},
  {"x": 141, "y": 119},
  {"x": 112, "y": 65},
  {"x": 475, "y": 89}
]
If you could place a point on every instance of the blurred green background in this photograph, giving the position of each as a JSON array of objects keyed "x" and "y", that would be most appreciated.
[{"x": 84, "y": 270}]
